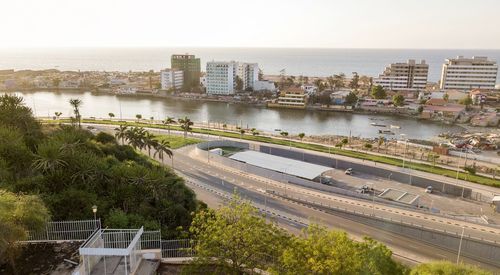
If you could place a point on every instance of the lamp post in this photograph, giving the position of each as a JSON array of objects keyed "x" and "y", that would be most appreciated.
[
  {"x": 460, "y": 245},
  {"x": 94, "y": 210}
]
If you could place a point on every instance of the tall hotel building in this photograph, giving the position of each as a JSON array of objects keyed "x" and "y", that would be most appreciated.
[
  {"x": 221, "y": 76},
  {"x": 171, "y": 79},
  {"x": 404, "y": 76},
  {"x": 190, "y": 66},
  {"x": 469, "y": 73}
]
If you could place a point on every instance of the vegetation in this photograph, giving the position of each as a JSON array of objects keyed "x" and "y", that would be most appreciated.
[
  {"x": 351, "y": 99},
  {"x": 378, "y": 92},
  {"x": 447, "y": 268},
  {"x": 322, "y": 148},
  {"x": 398, "y": 100},
  {"x": 71, "y": 170},
  {"x": 467, "y": 101}
]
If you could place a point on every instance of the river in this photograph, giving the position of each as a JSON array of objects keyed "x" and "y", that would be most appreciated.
[{"x": 293, "y": 121}]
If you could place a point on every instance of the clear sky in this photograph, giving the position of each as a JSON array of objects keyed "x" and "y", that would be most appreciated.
[{"x": 251, "y": 23}]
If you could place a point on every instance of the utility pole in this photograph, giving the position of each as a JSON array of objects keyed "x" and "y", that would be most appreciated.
[{"x": 460, "y": 245}]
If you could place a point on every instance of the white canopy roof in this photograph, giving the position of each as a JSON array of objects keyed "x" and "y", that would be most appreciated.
[{"x": 280, "y": 164}]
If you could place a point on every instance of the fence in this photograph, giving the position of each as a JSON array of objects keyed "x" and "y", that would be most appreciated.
[
  {"x": 151, "y": 240},
  {"x": 65, "y": 231},
  {"x": 177, "y": 248}
]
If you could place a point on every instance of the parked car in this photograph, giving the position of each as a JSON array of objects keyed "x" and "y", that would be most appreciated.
[
  {"x": 349, "y": 171},
  {"x": 365, "y": 189},
  {"x": 428, "y": 189}
]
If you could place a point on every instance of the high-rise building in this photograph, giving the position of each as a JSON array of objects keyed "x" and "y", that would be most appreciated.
[
  {"x": 190, "y": 66},
  {"x": 469, "y": 73},
  {"x": 409, "y": 76},
  {"x": 221, "y": 77},
  {"x": 171, "y": 79}
]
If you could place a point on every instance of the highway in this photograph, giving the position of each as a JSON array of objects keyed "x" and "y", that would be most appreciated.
[{"x": 213, "y": 184}]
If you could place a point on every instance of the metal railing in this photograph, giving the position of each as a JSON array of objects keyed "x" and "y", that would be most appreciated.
[
  {"x": 178, "y": 248},
  {"x": 151, "y": 240},
  {"x": 65, "y": 231}
]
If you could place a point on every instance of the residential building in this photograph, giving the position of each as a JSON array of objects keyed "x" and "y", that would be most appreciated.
[
  {"x": 339, "y": 97},
  {"x": 292, "y": 97},
  {"x": 309, "y": 89},
  {"x": 249, "y": 74},
  {"x": 469, "y": 73},
  {"x": 478, "y": 97},
  {"x": 190, "y": 66},
  {"x": 171, "y": 79},
  {"x": 264, "y": 85},
  {"x": 221, "y": 77},
  {"x": 409, "y": 76}
]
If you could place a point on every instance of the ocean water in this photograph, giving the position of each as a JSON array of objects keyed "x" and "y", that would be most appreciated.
[{"x": 310, "y": 62}]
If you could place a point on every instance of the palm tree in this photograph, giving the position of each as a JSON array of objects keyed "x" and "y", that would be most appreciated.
[
  {"x": 121, "y": 133},
  {"x": 111, "y": 115},
  {"x": 163, "y": 148},
  {"x": 284, "y": 134},
  {"x": 58, "y": 114},
  {"x": 168, "y": 121},
  {"x": 152, "y": 119},
  {"x": 149, "y": 142},
  {"x": 49, "y": 158},
  {"x": 136, "y": 137},
  {"x": 186, "y": 124},
  {"x": 76, "y": 103},
  {"x": 344, "y": 141},
  {"x": 242, "y": 132},
  {"x": 301, "y": 136},
  {"x": 139, "y": 117},
  {"x": 379, "y": 142}
]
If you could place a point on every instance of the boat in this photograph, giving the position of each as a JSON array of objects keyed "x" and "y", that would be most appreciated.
[
  {"x": 385, "y": 132},
  {"x": 395, "y": 127},
  {"x": 377, "y": 124}
]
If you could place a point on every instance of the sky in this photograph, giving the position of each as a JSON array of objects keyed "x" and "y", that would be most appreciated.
[{"x": 439, "y": 24}]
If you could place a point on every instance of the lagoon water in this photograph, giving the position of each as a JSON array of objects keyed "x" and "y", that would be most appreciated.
[
  {"x": 292, "y": 121},
  {"x": 296, "y": 61}
]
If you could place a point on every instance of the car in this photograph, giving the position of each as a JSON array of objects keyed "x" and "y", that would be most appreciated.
[
  {"x": 428, "y": 189},
  {"x": 348, "y": 171}
]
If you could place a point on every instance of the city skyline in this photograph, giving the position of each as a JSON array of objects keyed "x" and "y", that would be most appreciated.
[{"x": 263, "y": 24}]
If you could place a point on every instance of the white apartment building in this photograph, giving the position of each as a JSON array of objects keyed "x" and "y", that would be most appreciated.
[
  {"x": 171, "y": 79},
  {"x": 221, "y": 77},
  {"x": 249, "y": 73},
  {"x": 469, "y": 73},
  {"x": 409, "y": 76}
]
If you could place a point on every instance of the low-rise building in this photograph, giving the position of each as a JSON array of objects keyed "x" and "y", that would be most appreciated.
[
  {"x": 171, "y": 79},
  {"x": 292, "y": 97},
  {"x": 264, "y": 85},
  {"x": 478, "y": 97},
  {"x": 309, "y": 89},
  {"x": 338, "y": 97}
]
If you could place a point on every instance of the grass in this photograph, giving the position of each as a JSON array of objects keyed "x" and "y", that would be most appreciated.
[
  {"x": 314, "y": 147},
  {"x": 178, "y": 141}
]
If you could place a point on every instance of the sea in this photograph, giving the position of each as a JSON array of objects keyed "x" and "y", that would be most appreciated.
[{"x": 295, "y": 61}]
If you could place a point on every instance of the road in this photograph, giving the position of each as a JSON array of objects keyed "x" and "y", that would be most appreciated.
[{"x": 213, "y": 184}]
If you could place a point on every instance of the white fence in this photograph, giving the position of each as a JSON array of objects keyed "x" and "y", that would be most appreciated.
[{"x": 65, "y": 231}]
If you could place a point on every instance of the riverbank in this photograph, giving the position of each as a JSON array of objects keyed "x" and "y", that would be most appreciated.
[{"x": 359, "y": 154}]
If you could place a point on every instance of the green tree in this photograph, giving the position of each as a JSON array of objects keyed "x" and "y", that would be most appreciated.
[
  {"x": 239, "y": 83},
  {"x": 235, "y": 239},
  {"x": 139, "y": 117},
  {"x": 169, "y": 121},
  {"x": 447, "y": 268},
  {"x": 354, "y": 84},
  {"x": 367, "y": 146},
  {"x": 76, "y": 104},
  {"x": 163, "y": 148},
  {"x": 284, "y": 134},
  {"x": 57, "y": 114},
  {"x": 18, "y": 214},
  {"x": 467, "y": 101},
  {"x": 351, "y": 99},
  {"x": 446, "y": 97},
  {"x": 398, "y": 100},
  {"x": 111, "y": 115},
  {"x": 378, "y": 92},
  {"x": 319, "y": 251},
  {"x": 186, "y": 124},
  {"x": 301, "y": 136},
  {"x": 121, "y": 133}
]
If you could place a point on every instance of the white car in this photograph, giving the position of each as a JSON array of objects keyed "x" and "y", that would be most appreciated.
[
  {"x": 428, "y": 189},
  {"x": 348, "y": 171}
]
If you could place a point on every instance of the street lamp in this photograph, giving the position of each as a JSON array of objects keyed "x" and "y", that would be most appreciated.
[
  {"x": 94, "y": 210},
  {"x": 460, "y": 245}
]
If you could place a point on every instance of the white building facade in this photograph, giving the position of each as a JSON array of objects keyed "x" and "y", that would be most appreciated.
[
  {"x": 409, "y": 76},
  {"x": 221, "y": 77},
  {"x": 469, "y": 73},
  {"x": 171, "y": 79},
  {"x": 249, "y": 74}
]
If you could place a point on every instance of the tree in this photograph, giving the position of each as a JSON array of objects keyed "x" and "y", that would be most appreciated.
[
  {"x": 378, "y": 92},
  {"x": 111, "y": 115},
  {"x": 242, "y": 132},
  {"x": 447, "y": 268},
  {"x": 368, "y": 146},
  {"x": 121, "y": 133},
  {"x": 354, "y": 84},
  {"x": 139, "y": 117},
  {"x": 50, "y": 158},
  {"x": 239, "y": 84},
  {"x": 136, "y": 137},
  {"x": 319, "y": 251},
  {"x": 351, "y": 99},
  {"x": 380, "y": 141},
  {"x": 446, "y": 97},
  {"x": 76, "y": 104},
  {"x": 319, "y": 83},
  {"x": 18, "y": 214},
  {"x": 163, "y": 148},
  {"x": 57, "y": 114},
  {"x": 420, "y": 109},
  {"x": 149, "y": 142},
  {"x": 301, "y": 136},
  {"x": 284, "y": 134},
  {"x": 467, "y": 101},
  {"x": 398, "y": 100},
  {"x": 339, "y": 80},
  {"x": 234, "y": 239},
  {"x": 186, "y": 124},
  {"x": 169, "y": 121}
]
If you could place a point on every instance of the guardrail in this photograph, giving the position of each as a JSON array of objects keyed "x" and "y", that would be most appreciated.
[{"x": 79, "y": 230}]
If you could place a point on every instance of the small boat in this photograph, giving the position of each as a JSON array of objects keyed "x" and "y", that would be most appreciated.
[
  {"x": 385, "y": 132},
  {"x": 395, "y": 127},
  {"x": 377, "y": 124}
]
